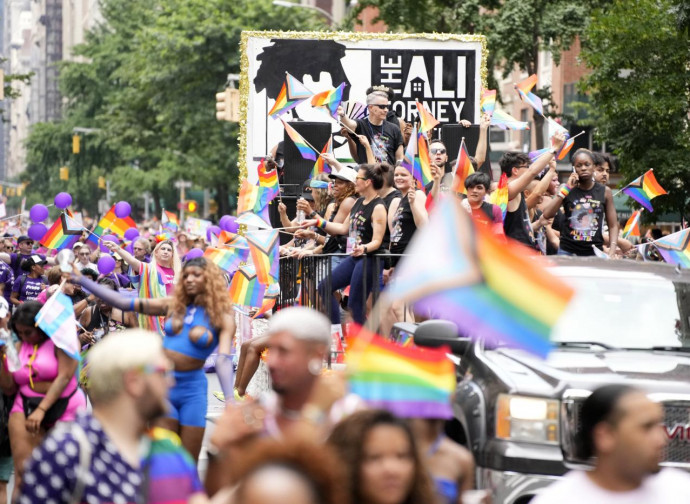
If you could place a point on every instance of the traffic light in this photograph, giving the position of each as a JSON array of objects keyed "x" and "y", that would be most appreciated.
[
  {"x": 101, "y": 183},
  {"x": 188, "y": 206},
  {"x": 76, "y": 147},
  {"x": 228, "y": 105},
  {"x": 64, "y": 173}
]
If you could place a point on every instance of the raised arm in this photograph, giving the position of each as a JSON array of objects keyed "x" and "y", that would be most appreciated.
[
  {"x": 128, "y": 258},
  {"x": 417, "y": 199},
  {"x": 519, "y": 184},
  {"x": 367, "y": 148},
  {"x": 533, "y": 199},
  {"x": 482, "y": 143},
  {"x": 346, "y": 120},
  {"x": 155, "y": 306}
]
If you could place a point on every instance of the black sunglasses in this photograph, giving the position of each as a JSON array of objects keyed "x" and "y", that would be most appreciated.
[{"x": 384, "y": 106}]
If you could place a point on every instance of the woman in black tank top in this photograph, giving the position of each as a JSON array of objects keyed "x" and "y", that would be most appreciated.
[
  {"x": 406, "y": 213},
  {"x": 365, "y": 229},
  {"x": 586, "y": 204}
]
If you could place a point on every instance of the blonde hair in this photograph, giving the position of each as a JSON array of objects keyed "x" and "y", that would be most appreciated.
[
  {"x": 176, "y": 263},
  {"x": 120, "y": 352}
]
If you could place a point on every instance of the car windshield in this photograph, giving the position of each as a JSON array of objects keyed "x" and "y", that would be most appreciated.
[{"x": 624, "y": 309}]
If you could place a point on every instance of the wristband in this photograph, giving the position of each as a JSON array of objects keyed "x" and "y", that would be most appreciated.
[
  {"x": 131, "y": 304},
  {"x": 564, "y": 190},
  {"x": 321, "y": 223}
]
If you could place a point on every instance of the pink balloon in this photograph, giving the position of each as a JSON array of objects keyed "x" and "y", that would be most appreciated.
[
  {"x": 36, "y": 231},
  {"x": 106, "y": 264}
]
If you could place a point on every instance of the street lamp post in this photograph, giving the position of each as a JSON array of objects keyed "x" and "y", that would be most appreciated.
[{"x": 282, "y": 3}]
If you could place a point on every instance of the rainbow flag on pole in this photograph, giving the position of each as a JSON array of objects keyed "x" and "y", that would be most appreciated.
[
  {"x": 427, "y": 122},
  {"x": 64, "y": 233},
  {"x": 410, "y": 161},
  {"x": 644, "y": 189},
  {"x": 491, "y": 289},
  {"x": 675, "y": 248},
  {"x": 302, "y": 145},
  {"x": 487, "y": 102},
  {"x": 321, "y": 166},
  {"x": 505, "y": 121},
  {"x": 500, "y": 195},
  {"x": 113, "y": 223},
  {"x": 264, "y": 249},
  {"x": 291, "y": 94},
  {"x": 423, "y": 166},
  {"x": 408, "y": 381},
  {"x": 329, "y": 99},
  {"x": 245, "y": 288},
  {"x": 632, "y": 227},
  {"x": 524, "y": 90},
  {"x": 170, "y": 221},
  {"x": 463, "y": 169},
  {"x": 226, "y": 258}
]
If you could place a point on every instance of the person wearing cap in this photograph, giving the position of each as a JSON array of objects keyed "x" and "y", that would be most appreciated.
[
  {"x": 25, "y": 246},
  {"x": 31, "y": 282}
]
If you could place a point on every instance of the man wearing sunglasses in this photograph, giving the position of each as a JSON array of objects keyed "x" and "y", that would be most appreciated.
[
  {"x": 25, "y": 247},
  {"x": 384, "y": 137}
]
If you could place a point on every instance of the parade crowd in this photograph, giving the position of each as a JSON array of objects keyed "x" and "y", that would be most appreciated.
[{"x": 129, "y": 423}]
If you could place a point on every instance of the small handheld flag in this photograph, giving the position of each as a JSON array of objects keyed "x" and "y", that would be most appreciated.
[
  {"x": 423, "y": 167},
  {"x": 321, "y": 166},
  {"x": 463, "y": 169},
  {"x": 500, "y": 195},
  {"x": 304, "y": 147},
  {"x": 329, "y": 99},
  {"x": 487, "y": 102},
  {"x": 524, "y": 90},
  {"x": 632, "y": 227},
  {"x": 644, "y": 189},
  {"x": 57, "y": 320},
  {"x": 426, "y": 120},
  {"x": 291, "y": 94},
  {"x": 675, "y": 248},
  {"x": 505, "y": 121}
]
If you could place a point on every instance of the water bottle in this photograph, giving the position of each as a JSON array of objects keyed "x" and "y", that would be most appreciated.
[
  {"x": 300, "y": 216},
  {"x": 13, "y": 362}
]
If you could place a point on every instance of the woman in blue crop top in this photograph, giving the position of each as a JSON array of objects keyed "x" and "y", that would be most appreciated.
[{"x": 199, "y": 318}]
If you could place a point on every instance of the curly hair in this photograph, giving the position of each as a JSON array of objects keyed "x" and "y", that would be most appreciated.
[
  {"x": 348, "y": 438},
  {"x": 316, "y": 465},
  {"x": 214, "y": 299},
  {"x": 348, "y": 192},
  {"x": 25, "y": 314}
]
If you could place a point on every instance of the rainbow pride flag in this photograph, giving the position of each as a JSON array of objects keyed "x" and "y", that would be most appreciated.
[
  {"x": 409, "y": 381},
  {"x": 505, "y": 121},
  {"x": 500, "y": 195},
  {"x": 228, "y": 239},
  {"x": 524, "y": 90},
  {"x": 291, "y": 94},
  {"x": 675, "y": 248},
  {"x": 170, "y": 221},
  {"x": 268, "y": 186},
  {"x": 423, "y": 167},
  {"x": 463, "y": 169},
  {"x": 264, "y": 249},
  {"x": 410, "y": 160},
  {"x": 632, "y": 227},
  {"x": 64, "y": 233},
  {"x": 329, "y": 99},
  {"x": 245, "y": 288},
  {"x": 249, "y": 198},
  {"x": 302, "y": 145},
  {"x": 644, "y": 189},
  {"x": 226, "y": 258},
  {"x": 321, "y": 166},
  {"x": 253, "y": 219},
  {"x": 113, "y": 223},
  {"x": 427, "y": 122},
  {"x": 491, "y": 289},
  {"x": 487, "y": 102},
  {"x": 536, "y": 154},
  {"x": 270, "y": 297}
]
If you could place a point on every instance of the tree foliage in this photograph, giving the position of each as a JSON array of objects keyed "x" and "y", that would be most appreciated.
[
  {"x": 146, "y": 84},
  {"x": 639, "y": 89}
]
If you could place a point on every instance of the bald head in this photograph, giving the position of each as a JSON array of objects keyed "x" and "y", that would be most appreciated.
[
  {"x": 304, "y": 324},
  {"x": 276, "y": 484}
]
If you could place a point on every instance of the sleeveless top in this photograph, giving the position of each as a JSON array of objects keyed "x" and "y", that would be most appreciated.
[
  {"x": 39, "y": 364},
  {"x": 181, "y": 342},
  {"x": 361, "y": 224},
  {"x": 387, "y": 200},
  {"x": 403, "y": 226},
  {"x": 584, "y": 216},
  {"x": 517, "y": 224},
  {"x": 335, "y": 244}
]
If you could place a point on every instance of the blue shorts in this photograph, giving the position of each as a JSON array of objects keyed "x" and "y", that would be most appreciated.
[{"x": 188, "y": 399}]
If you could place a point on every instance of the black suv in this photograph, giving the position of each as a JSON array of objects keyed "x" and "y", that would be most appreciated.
[{"x": 628, "y": 322}]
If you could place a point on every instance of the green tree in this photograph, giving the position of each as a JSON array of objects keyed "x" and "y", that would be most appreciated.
[
  {"x": 516, "y": 30},
  {"x": 639, "y": 89}
]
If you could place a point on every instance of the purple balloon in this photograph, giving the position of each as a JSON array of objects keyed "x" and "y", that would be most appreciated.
[
  {"x": 212, "y": 229},
  {"x": 106, "y": 264},
  {"x": 36, "y": 231},
  {"x": 194, "y": 253},
  {"x": 228, "y": 223},
  {"x": 63, "y": 200},
  {"x": 131, "y": 233},
  {"x": 105, "y": 238},
  {"x": 38, "y": 213},
  {"x": 122, "y": 209},
  {"x": 130, "y": 248}
]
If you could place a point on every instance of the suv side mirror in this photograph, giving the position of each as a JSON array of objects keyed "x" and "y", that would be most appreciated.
[{"x": 437, "y": 333}]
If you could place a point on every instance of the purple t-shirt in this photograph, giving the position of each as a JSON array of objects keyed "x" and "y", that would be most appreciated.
[
  {"x": 16, "y": 262},
  {"x": 28, "y": 288},
  {"x": 6, "y": 278}
]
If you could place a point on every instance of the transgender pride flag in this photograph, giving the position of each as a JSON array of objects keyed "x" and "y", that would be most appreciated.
[{"x": 56, "y": 319}]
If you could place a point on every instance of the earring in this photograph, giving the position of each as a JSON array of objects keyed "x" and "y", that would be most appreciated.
[{"x": 314, "y": 366}]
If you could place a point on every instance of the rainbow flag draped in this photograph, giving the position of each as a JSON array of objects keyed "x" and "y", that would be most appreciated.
[
  {"x": 463, "y": 169},
  {"x": 632, "y": 227},
  {"x": 302, "y": 146},
  {"x": 329, "y": 99},
  {"x": 524, "y": 90},
  {"x": 264, "y": 249},
  {"x": 170, "y": 221},
  {"x": 423, "y": 167},
  {"x": 409, "y": 381},
  {"x": 500, "y": 195},
  {"x": 321, "y": 166},
  {"x": 151, "y": 285},
  {"x": 64, "y": 233},
  {"x": 505, "y": 121},
  {"x": 113, "y": 223},
  {"x": 245, "y": 288},
  {"x": 675, "y": 248},
  {"x": 644, "y": 189},
  {"x": 226, "y": 258},
  {"x": 491, "y": 289},
  {"x": 291, "y": 94},
  {"x": 427, "y": 122},
  {"x": 487, "y": 102}
]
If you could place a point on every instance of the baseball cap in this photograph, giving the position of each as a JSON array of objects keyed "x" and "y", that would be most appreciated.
[
  {"x": 306, "y": 191},
  {"x": 24, "y": 238},
  {"x": 346, "y": 173}
]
